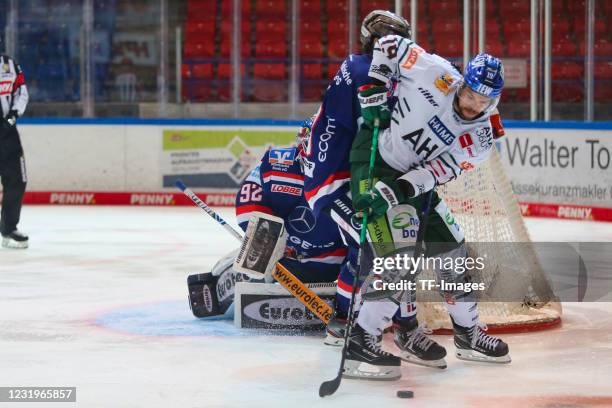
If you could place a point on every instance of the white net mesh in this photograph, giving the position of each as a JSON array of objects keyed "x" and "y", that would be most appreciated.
[{"x": 485, "y": 207}]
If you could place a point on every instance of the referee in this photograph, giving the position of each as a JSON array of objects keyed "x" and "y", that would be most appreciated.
[{"x": 13, "y": 99}]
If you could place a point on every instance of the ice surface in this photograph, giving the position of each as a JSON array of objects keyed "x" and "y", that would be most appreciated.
[{"x": 98, "y": 301}]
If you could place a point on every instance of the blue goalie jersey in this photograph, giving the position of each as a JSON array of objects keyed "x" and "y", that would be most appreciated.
[{"x": 276, "y": 186}]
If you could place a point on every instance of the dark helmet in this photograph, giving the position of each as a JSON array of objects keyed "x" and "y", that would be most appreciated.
[{"x": 380, "y": 23}]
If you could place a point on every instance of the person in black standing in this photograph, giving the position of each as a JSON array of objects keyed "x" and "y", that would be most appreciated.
[{"x": 13, "y": 101}]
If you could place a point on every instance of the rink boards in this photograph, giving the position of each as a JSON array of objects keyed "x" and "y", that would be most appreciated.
[{"x": 557, "y": 169}]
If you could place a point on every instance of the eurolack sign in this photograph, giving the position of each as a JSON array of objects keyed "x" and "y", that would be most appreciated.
[{"x": 278, "y": 312}]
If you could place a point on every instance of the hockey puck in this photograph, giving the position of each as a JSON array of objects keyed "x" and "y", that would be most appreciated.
[{"x": 405, "y": 394}]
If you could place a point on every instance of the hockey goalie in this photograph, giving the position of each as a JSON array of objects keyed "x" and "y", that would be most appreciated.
[{"x": 280, "y": 227}]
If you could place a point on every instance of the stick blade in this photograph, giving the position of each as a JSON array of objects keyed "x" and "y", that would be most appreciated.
[{"x": 329, "y": 387}]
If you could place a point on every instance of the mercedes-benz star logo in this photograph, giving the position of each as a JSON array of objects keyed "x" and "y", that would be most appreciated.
[{"x": 302, "y": 219}]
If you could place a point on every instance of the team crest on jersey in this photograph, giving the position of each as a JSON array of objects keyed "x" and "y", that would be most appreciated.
[
  {"x": 5, "y": 68},
  {"x": 6, "y": 87},
  {"x": 467, "y": 144},
  {"x": 466, "y": 165},
  {"x": 444, "y": 83},
  {"x": 413, "y": 56},
  {"x": 302, "y": 219},
  {"x": 282, "y": 157},
  {"x": 436, "y": 126}
]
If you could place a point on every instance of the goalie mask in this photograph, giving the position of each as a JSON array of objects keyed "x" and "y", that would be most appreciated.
[{"x": 303, "y": 140}]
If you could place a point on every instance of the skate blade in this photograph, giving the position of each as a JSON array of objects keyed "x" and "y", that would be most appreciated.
[
  {"x": 409, "y": 358},
  {"x": 333, "y": 340},
  {"x": 364, "y": 371},
  {"x": 9, "y": 243},
  {"x": 472, "y": 355}
]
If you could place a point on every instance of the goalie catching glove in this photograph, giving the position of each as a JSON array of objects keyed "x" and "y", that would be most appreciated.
[{"x": 373, "y": 101}]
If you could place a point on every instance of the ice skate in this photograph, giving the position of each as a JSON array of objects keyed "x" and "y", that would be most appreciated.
[
  {"x": 416, "y": 347},
  {"x": 15, "y": 240},
  {"x": 474, "y": 344},
  {"x": 366, "y": 360},
  {"x": 335, "y": 332}
]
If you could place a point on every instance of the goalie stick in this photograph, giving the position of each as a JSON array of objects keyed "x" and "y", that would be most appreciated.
[
  {"x": 288, "y": 280},
  {"x": 193, "y": 196}
]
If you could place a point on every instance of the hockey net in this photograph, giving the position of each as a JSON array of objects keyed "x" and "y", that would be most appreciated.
[{"x": 485, "y": 207}]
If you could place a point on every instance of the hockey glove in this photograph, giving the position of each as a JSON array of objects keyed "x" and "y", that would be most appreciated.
[
  {"x": 386, "y": 194},
  {"x": 496, "y": 124},
  {"x": 11, "y": 117},
  {"x": 373, "y": 101}
]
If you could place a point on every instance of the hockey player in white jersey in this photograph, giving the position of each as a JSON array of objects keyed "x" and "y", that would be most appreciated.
[{"x": 438, "y": 129}]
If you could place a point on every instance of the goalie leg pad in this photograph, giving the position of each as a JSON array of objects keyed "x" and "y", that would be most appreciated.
[{"x": 211, "y": 295}]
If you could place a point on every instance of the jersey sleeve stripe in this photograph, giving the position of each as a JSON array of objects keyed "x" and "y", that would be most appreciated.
[
  {"x": 243, "y": 212},
  {"x": 334, "y": 257},
  {"x": 449, "y": 166},
  {"x": 431, "y": 167},
  {"x": 332, "y": 183},
  {"x": 336, "y": 252},
  {"x": 441, "y": 167},
  {"x": 282, "y": 176},
  {"x": 345, "y": 289},
  {"x": 400, "y": 59},
  {"x": 253, "y": 207}
]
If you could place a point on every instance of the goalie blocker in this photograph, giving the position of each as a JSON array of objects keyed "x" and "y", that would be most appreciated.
[{"x": 262, "y": 246}]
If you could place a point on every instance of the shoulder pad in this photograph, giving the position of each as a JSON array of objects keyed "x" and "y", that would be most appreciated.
[{"x": 254, "y": 175}]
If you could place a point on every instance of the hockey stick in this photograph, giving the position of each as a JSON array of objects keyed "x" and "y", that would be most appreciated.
[
  {"x": 207, "y": 209},
  {"x": 331, "y": 386},
  {"x": 288, "y": 280}
]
